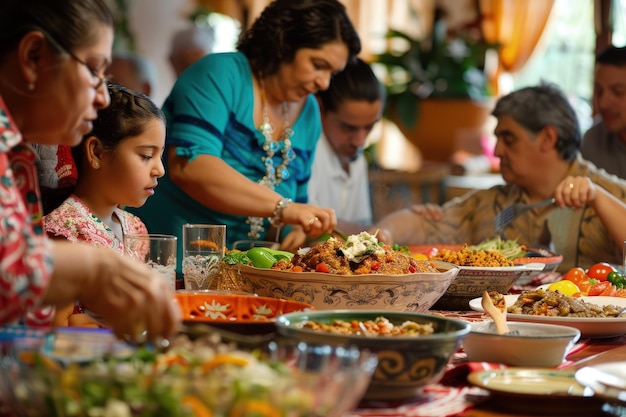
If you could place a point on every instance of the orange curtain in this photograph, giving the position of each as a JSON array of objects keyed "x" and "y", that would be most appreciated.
[{"x": 517, "y": 25}]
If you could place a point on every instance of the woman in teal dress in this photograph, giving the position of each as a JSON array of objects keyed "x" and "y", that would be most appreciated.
[{"x": 242, "y": 128}]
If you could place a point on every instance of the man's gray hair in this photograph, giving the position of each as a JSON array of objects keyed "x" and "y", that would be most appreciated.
[{"x": 536, "y": 107}]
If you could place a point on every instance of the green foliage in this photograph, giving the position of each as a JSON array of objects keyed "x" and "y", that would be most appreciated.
[{"x": 436, "y": 66}]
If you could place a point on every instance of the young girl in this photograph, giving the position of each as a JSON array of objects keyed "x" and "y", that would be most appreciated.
[{"x": 118, "y": 164}]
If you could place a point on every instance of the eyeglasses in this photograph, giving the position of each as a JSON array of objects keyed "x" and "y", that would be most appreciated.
[{"x": 100, "y": 79}]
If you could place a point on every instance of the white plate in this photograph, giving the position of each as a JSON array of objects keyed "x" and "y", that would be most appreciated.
[
  {"x": 526, "y": 390},
  {"x": 530, "y": 381},
  {"x": 589, "y": 327},
  {"x": 607, "y": 380}
]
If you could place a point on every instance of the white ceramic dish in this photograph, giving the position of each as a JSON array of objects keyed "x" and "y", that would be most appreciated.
[
  {"x": 527, "y": 390},
  {"x": 534, "y": 344},
  {"x": 607, "y": 380},
  {"x": 589, "y": 327}
]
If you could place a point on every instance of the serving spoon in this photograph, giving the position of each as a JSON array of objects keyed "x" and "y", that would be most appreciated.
[{"x": 499, "y": 317}]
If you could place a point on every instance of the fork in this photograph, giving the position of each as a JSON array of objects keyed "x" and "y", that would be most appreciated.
[{"x": 510, "y": 213}]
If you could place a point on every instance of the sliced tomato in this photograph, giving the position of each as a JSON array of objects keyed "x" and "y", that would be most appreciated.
[
  {"x": 600, "y": 271},
  {"x": 602, "y": 288},
  {"x": 620, "y": 293}
]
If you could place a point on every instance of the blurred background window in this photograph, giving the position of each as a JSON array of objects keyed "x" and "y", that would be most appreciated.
[{"x": 567, "y": 55}]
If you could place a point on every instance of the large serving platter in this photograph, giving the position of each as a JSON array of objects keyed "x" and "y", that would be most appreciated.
[{"x": 589, "y": 327}]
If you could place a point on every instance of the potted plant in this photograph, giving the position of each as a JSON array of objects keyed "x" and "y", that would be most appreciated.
[{"x": 445, "y": 69}]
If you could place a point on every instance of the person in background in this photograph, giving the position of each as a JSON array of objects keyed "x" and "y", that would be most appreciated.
[
  {"x": 118, "y": 163},
  {"x": 538, "y": 142},
  {"x": 349, "y": 108},
  {"x": 604, "y": 143},
  {"x": 53, "y": 61},
  {"x": 134, "y": 71},
  {"x": 242, "y": 128},
  {"x": 189, "y": 45}
]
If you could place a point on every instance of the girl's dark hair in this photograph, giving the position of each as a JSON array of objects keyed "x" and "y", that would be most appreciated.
[
  {"x": 285, "y": 26},
  {"x": 127, "y": 116},
  {"x": 71, "y": 23}
]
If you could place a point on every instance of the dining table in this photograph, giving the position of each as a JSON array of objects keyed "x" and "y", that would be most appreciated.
[{"x": 454, "y": 396}]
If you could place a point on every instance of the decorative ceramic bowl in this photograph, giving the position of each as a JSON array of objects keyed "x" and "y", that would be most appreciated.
[
  {"x": 404, "y": 292},
  {"x": 405, "y": 363},
  {"x": 42, "y": 377},
  {"x": 238, "y": 312},
  {"x": 527, "y": 344},
  {"x": 472, "y": 281},
  {"x": 550, "y": 260}
]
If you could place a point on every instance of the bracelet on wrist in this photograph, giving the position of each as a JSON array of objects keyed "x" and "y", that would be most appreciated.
[{"x": 277, "y": 214}]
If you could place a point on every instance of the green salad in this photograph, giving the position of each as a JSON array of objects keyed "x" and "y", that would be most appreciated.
[{"x": 509, "y": 248}]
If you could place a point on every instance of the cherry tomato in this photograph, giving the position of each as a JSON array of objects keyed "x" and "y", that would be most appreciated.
[
  {"x": 584, "y": 287},
  {"x": 600, "y": 271},
  {"x": 576, "y": 275}
]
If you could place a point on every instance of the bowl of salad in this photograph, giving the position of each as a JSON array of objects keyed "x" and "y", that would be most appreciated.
[
  {"x": 359, "y": 273},
  {"x": 80, "y": 373}
]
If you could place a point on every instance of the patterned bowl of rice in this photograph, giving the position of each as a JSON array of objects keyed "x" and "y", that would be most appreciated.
[{"x": 480, "y": 271}]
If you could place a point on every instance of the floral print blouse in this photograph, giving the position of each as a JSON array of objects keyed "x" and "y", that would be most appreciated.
[
  {"x": 73, "y": 221},
  {"x": 25, "y": 252}
]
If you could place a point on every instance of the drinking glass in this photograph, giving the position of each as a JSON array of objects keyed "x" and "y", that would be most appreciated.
[
  {"x": 203, "y": 249},
  {"x": 157, "y": 251}
]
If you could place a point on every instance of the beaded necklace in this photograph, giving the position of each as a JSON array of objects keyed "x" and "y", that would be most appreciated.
[{"x": 273, "y": 175}]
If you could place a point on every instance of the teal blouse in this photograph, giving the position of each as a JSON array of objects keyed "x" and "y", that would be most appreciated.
[{"x": 209, "y": 112}]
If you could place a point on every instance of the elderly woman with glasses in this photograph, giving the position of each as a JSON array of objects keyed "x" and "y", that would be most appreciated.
[{"x": 53, "y": 58}]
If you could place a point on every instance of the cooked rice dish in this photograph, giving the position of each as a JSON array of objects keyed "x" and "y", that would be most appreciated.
[
  {"x": 470, "y": 257},
  {"x": 381, "y": 326}
]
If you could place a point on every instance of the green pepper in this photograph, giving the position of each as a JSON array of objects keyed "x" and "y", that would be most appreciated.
[
  {"x": 261, "y": 257},
  {"x": 281, "y": 254},
  {"x": 616, "y": 279}
]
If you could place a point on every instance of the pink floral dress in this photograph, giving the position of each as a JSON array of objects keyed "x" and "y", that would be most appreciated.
[
  {"x": 73, "y": 221},
  {"x": 25, "y": 252}
]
